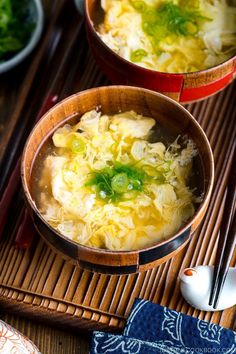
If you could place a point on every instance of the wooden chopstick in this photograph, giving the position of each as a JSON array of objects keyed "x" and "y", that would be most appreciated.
[
  {"x": 25, "y": 232},
  {"x": 226, "y": 237},
  {"x": 14, "y": 180},
  {"x": 5, "y": 201},
  {"x": 229, "y": 248}
]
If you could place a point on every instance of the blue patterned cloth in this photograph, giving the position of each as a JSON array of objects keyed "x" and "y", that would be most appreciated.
[{"x": 156, "y": 329}]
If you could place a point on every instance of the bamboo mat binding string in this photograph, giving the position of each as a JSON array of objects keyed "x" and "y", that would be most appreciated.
[{"x": 38, "y": 280}]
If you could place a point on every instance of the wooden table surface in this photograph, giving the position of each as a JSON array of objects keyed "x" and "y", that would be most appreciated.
[{"x": 52, "y": 69}]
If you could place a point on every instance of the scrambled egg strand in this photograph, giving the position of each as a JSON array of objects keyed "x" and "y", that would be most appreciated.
[{"x": 140, "y": 217}]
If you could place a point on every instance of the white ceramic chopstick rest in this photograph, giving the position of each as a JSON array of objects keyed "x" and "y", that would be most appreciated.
[{"x": 195, "y": 285}]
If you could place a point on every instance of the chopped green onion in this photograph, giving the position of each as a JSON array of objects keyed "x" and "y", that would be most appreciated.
[
  {"x": 112, "y": 182},
  {"x": 103, "y": 194},
  {"x": 77, "y": 145},
  {"x": 120, "y": 182},
  {"x": 167, "y": 19},
  {"x": 137, "y": 55},
  {"x": 139, "y": 5},
  {"x": 191, "y": 28}
]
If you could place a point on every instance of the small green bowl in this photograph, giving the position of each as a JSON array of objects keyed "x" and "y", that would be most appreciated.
[{"x": 36, "y": 12}]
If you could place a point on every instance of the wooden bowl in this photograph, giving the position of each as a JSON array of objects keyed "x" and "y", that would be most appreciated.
[
  {"x": 113, "y": 99},
  {"x": 185, "y": 87},
  {"x": 37, "y": 15}
]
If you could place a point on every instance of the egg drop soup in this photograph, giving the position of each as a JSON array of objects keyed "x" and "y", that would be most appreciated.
[
  {"x": 174, "y": 36},
  {"x": 116, "y": 182}
]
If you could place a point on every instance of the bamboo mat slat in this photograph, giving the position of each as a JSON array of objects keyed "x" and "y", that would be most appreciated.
[{"x": 38, "y": 283}]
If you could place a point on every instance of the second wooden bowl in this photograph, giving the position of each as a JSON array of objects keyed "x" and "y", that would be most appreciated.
[
  {"x": 111, "y": 100},
  {"x": 184, "y": 87}
]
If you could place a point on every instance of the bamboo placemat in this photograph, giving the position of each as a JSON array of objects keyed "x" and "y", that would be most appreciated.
[{"x": 40, "y": 284}]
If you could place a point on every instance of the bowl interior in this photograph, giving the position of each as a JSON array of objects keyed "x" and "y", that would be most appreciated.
[{"x": 111, "y": 100}]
